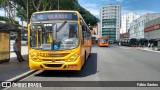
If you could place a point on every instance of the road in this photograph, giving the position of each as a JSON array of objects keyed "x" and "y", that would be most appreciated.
[{"x": 107, "y": 64}]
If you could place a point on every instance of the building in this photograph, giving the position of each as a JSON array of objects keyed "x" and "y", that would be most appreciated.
[
  {"x": 124, "y": 35},
  {"x": 95, "y": 31},
  {"x": 126, "y": 21},
  {"x": 110, "y": 17},
  {"x": 152, "y": 30},
  {"x": 137, "y": 26}
]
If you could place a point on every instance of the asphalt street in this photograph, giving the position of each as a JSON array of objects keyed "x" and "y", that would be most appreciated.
[
  {"x": 13, "y": 68},
  {"x": 111, "y": 63}
]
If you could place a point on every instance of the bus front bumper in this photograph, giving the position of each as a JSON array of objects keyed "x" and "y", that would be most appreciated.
[
  {"x": 49, "y": 65},
  {"x": 104, "y": 45}
]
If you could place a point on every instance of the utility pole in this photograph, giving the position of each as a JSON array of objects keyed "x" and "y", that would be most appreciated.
[
  {"x": 58, "y": 4},
  {"x": 5, "y": 8},
  {"x": 27, "y": 13}
]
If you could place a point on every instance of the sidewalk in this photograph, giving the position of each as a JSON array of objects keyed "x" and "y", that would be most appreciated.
[
  {"x": 148, "y": 49},
  {"x": 14, "y": 68},
  {"x": 140, "y": 48}
]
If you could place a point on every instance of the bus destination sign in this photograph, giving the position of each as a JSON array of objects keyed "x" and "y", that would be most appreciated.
[{"x": 54, "y": 16}]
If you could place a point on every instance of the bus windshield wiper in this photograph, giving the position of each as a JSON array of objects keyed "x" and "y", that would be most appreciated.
[{"x": 62, "y": 25}]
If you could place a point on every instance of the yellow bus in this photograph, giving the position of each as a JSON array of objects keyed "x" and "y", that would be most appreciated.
[{"x": 58, "y": 40}]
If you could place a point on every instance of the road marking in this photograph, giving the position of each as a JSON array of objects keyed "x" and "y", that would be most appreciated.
[{"x": 20, "y": 77}]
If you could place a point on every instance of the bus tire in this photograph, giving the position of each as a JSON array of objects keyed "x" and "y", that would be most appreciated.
[
  {"x": 90, "y": 53},
  {"x": 84, "y": 61},
  {"x": 85, "y": 57}
]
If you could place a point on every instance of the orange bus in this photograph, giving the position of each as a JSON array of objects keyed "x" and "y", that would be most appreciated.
[
  {"x": 103, "y": 41},
  {"x": 58, "y": 40}
]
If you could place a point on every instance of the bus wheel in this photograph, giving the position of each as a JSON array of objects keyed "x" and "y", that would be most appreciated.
[
  {"x": 84, "y": 60},
  {"x": 90, "y": 53}
]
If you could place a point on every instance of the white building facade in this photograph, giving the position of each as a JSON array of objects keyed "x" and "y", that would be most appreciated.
[
  {"x": 96, "y": 31},
  {"x": 137, "y": 26},
  {"x": 110, "y": 19},
  {"x": 126, "y": 21}
]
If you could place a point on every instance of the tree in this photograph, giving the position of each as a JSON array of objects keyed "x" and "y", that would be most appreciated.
[
  {"x": 9, "y": 11},
  {"x": 43, "y": 5},
  {"x": 88, "y": 17}
]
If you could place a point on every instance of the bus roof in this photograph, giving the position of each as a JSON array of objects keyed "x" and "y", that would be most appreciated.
[
  {"x": 56, "y": 11},
  {"x": 55, "y": 15}
]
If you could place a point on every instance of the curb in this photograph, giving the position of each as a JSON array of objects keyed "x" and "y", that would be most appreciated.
[
  {"x": 148, "y": 50},
  {"x": 142, "y": 49}
]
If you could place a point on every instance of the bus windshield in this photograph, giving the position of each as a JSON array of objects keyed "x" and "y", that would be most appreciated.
[
  {"x": 103, "y": 40},
  {"x": 54, "y": 36}
]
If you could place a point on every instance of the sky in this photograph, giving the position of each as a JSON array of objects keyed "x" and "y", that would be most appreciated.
[
  {"x": 2, "y": 14},
  {"x": 139, "y": 7}
]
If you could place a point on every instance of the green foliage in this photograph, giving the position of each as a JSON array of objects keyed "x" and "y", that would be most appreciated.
[
  {"x": 8, "y": 20},
  {"x": 88, "y": 17},
  {"x": 44, "y": 5}
]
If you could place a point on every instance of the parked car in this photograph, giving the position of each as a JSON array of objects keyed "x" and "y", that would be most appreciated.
[
  {"x": 12, "y": 36},
  {"x": 111, "y": 42},
  {"x": 143, "y": 41},
  {"x": 133, "y": 41},
  {"x": 126, "y": 42},
  {"x": 24, "y": 40},
  {"x": 123, "y": 42}
]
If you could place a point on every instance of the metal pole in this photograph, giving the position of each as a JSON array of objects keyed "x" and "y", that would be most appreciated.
[
  {"x": 58, "y": 4},
  {"x": 5, "y": 8},
  {"x": 27, "y": 13}
]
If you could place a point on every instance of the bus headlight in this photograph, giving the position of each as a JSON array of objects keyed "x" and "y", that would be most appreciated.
[
  {"x": 34, "y": 58},
  {"x": 73, "y": 57}
]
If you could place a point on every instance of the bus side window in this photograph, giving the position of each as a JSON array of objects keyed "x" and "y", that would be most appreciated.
[
  {"x": 84, "y": 29},
  {"x": 88, "y": 34},
  {"x": 83, "y": 32}
]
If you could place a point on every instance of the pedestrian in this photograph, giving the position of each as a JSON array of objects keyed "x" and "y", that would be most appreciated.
[
  {"x": 149, "y": 45},
  {"x": 16, "y": 50}
]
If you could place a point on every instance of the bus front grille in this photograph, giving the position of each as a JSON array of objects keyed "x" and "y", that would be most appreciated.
[
  {"x": 53, "y": 65},
  {"x": 54, "y": 60},
  {"x": 54, "y": 55}
]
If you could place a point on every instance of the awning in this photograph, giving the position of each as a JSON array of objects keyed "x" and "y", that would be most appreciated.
[{"x": 9, "y": 27}]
